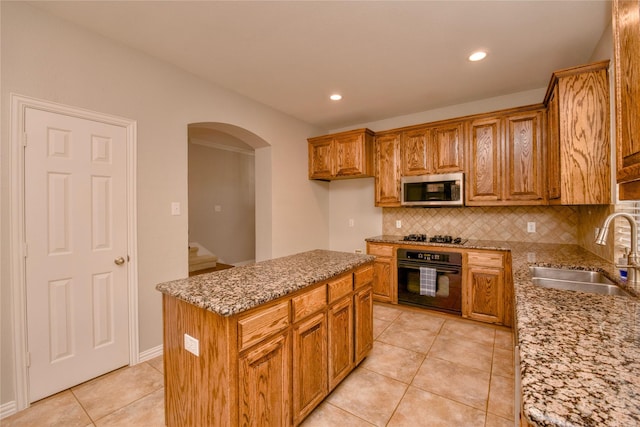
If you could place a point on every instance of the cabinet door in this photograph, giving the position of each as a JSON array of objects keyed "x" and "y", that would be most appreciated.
[
  {"x": 382, "y": 279},
  {"x": 484, "y": 165},
  {"x": 553, "y": 146},
  {"x": 447, "y": 143},
  {"x": 263, "y": 375},
  {"x": 340, "y": 340},
  {"x": 350, "y": 155},
  {"x": 363, "y": 306},
  {"x": 523, "y": 158},
  {"x": 320, "y": 162},
  {"x": 484, "y": 294},
  {"x": 309, "y": 365},
  {"x": 417, "y": 158},
  {"x": 387, "y": 170},
  {"x": 626, "y": 41}
]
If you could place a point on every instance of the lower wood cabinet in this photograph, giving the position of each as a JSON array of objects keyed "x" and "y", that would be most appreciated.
[
  {"x": 309, "y": 365},
  {"x": 341, "y": 340},
  {"x": 263, "y": 376},
  {"x": 363, "y": 303},
  {"x": 384, "y": 267},
  {"x": 484, "y": 290},
  {"x": 271, "y": 365}
]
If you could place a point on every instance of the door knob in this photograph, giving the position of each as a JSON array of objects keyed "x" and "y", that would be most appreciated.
[{"x": 119, "y": 261}]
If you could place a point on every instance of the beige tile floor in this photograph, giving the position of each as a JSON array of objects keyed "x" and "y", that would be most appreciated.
[{"x": 425, "y": 369}]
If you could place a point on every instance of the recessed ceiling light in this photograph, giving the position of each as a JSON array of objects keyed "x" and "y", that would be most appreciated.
[
  {"x": 335, "y": 97},
  {"x": 477, "y": 56}
]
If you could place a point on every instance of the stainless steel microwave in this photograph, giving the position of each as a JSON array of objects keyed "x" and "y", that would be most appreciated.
[{"x": 433, "y": 190}]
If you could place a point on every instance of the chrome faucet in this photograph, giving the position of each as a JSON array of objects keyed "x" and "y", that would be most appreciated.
[{"x": 632, "y": 266}]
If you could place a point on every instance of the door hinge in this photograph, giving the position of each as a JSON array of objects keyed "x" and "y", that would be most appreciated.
[
  {"x": 24, "y": 139},
  {"x": 28, "y": 359},
  {"x": 25, "y": 250}
]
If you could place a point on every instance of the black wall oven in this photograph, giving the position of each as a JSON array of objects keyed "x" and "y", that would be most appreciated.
[{"x": 445, "y": 292}]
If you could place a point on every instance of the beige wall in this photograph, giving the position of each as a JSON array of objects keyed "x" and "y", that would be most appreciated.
[
  {"x": 224, "y": 178},
  {"x": 49, "y": 59}
]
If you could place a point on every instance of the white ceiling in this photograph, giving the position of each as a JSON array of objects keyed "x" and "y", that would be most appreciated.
[{"x": 387, "y": 58}]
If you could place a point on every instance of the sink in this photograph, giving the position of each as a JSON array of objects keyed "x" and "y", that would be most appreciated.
[
  {"x": 571, "y": 275},
  {"x": 592, "y": 282}
]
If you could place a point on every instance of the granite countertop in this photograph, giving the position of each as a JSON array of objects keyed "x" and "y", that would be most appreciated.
[
  {"x": 235, "y": 290},
  {"x": 579, "y": 352}
]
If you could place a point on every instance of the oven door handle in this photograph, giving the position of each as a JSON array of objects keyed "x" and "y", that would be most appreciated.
[{"x": 453, "y": 270}]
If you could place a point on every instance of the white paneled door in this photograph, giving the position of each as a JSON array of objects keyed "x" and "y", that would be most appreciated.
[{"x": 76, "y": 250}]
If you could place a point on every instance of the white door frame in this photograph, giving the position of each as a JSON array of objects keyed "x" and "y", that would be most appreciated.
[{"x": 17, "y": 246}]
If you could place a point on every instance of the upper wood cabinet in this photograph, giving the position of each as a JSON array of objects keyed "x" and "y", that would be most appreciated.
[
  {"x": 387, "y": 169},
  {"x": 524, "y": 174},
  {"x": 626, "y": 54},
  {"x": 505, "y": 159},
  {"x": 578, "y": 146},
  {"x": 341, "y": 155},
  {"x": 432, "y": 149}
]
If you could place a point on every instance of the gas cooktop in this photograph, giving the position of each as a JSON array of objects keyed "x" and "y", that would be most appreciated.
[{"x": 435, "y": 239}]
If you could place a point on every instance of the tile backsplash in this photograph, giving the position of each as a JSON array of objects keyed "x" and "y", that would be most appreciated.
[{"x": 554, "y": 224}]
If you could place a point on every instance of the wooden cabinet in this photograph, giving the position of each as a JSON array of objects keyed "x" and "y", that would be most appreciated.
[
  {"x": 578, "y": 146},
  {"x": 523, "y": 157},
  {"x": 309, "y": 365},
  {"x": 363, "y": 308},
  {"x": 270, "y": 365},
  {"x": 448, "y": 148},
  {"x": 384, "y": 267},
  {"x": 340, "y": 340},
  {"x": 341, "y": 155},
  {"x": 505, "y": 159},
  {"x": 484, "y": 290},
  {"x": 484, "y": 148},
  {"x": 387, "y": 169},
  {"x": 263, "y": 376},
  {"x": 432, "y": 149},
  {"x": 626, "y": 53}
]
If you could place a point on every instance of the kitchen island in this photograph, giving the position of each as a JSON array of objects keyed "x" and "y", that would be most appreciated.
[{"x": 264, "y": 344}]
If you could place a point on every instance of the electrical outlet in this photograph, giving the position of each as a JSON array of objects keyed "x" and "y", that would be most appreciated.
[
  {"x": 191, "y": 344},
  {"x": 398, "y": 223},
  {"x": 531, "y": 257},
  {"x": 358, "y": 251},
  {"x": 351, "y": 222},
  {"x": 531, "y": 227},
  {"x": 175, "y": 208}
]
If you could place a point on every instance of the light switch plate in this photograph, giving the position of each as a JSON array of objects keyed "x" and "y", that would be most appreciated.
[{"x": 531, "y": 227}]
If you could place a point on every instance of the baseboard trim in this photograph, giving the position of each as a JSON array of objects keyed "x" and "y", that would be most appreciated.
[
  {"x": 152, "y": 353},
  {"x": 7, "y": 409},
  {"x": 241, "y": 263}
]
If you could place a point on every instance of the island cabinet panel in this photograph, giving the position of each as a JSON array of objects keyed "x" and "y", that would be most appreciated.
[
  {"x": 270, "y": 365},
  {"x": 363, "y": 306},
  {"x": 190, "y": 401},
  {"x": 310, "y": 384},
  {"x": 578, "y": 143},
  {"x": 341, "y": 356},
  {"x": 264, "y": 384},
  {"x": 626, "y": 53},
  {"x": 387, "y": 169}
]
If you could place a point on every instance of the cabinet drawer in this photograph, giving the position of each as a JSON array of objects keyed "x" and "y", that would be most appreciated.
[
  {"x": 309, "y": 302},
  {"x": 363, "y": 276},
  {"x": 258, "y": 326},
  {"x": 340, "y": 287},
  {"x": 486, "y": 259},
  {"x": 381, "y": 250}
]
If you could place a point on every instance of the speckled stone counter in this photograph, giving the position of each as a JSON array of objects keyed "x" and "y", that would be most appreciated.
[
  {"x": 579, "y": 353},
  {"x": 235, "y": 290}
]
